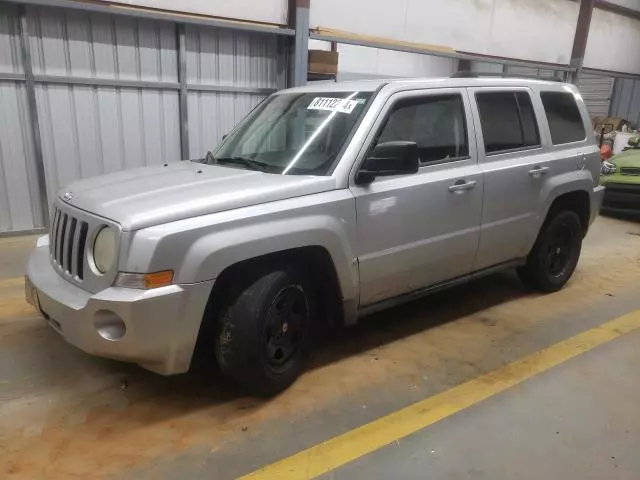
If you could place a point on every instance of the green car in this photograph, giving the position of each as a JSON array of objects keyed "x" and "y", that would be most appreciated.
[{"x": 621, "y": 177}]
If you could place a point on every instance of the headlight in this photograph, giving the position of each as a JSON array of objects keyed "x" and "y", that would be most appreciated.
[
  {"x": 104, "y": 250},
  {"x": 607, "y": 168}
]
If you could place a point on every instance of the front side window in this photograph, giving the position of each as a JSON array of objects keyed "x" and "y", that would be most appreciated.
[
  {"x": 436, "y": 123},
  {"x": 508, "y": 121},
  {"x": 294, "y": 133},
  {"x": 565, "y": 121}
]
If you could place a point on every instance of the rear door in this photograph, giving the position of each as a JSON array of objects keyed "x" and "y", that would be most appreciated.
[{"x": 516, "y": 160}]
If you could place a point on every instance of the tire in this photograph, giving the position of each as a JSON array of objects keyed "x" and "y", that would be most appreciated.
[
  {"x": 555, "y": 254},
  {"x": 264, "y": 332}
]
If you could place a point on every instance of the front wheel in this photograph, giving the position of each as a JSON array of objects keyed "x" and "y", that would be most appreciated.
[
  {"x": 555, "y": 255},
  {"x": 264, "y": 332}
]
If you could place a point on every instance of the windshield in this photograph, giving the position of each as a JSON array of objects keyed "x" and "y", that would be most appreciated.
[{"x": 293, "y": 133}]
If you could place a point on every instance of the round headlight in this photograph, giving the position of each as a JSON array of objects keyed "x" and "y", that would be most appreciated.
[
  {"x": 104, "y": 249},
  {"x": 608, "y": 168}
]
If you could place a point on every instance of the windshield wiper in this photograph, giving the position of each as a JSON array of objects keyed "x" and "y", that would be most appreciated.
[{"x": 247, "y": 162}]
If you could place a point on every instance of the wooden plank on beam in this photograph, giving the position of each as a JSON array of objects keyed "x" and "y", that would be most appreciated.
[{"x": 364, "y": 39}]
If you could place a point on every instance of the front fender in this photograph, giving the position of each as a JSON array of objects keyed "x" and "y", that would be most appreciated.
[
  {"x": 213, "y": 253},
  {"x": 201, "y": 248}
]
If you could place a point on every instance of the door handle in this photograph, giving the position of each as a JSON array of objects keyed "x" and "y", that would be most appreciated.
[
  {"x": 461, "y": 186},
  {"x": 538, "y": 171}
]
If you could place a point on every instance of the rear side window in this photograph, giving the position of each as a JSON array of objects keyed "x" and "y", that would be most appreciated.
[
  {"x": 565, "y": 121},
  {"x": 436, "y": 123},
  {"x": 508, "y": 121}
]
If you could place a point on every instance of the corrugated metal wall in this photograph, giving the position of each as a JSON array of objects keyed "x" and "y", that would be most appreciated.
[
  {"x": 532, "y": 72},
  {"x": 596, "y": 91},
  {"x": 107, "y": 92},
  {"x": 225, "y": 58},
  {"x": 89, "y": 130},
  {"x": 626, "y": 100},
  {"x": 19, "y": 195}
]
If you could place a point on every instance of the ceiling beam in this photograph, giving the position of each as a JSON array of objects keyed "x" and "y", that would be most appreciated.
[{"x": 619, "y": 9}]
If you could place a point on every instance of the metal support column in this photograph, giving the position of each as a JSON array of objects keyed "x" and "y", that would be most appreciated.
[
  {"x": 283, "y": 61},
  {"x": 183, "y": 96},
  {"x": 33, "y": 114},
  {"x": 580, "y": 38},
  {"x": 300, "y": 11}
]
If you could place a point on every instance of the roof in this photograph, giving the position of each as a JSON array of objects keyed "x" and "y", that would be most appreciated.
[{"x": 401, "y": 83}]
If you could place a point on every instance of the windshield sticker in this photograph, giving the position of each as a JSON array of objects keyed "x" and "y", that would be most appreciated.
[{"x": 333, "y": 104}]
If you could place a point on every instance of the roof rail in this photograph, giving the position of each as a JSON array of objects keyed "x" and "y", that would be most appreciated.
[{"x": 469, "y": 74}]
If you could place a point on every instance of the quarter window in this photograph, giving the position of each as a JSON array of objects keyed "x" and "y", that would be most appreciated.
[
  {"x": 436, "y": 123},
  {"x": 508, "y": 121},
  {"x": 565, "y": 121}
]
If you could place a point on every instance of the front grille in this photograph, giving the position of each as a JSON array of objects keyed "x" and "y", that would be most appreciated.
[
  {"x": 630, "y": 170},
  {"x": 68, "y": 239}
]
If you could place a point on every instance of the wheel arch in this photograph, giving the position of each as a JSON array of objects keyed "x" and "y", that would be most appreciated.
[
  {"x": 577, "y": 201},
  {"x": 572, "y": 191},
  {"x": 315, "y": 261}
]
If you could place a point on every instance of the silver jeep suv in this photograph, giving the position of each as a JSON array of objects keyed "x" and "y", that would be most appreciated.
[{"x": 324, "y": 204}]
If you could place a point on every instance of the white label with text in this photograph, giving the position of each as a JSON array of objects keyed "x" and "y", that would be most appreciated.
[{"x": 333, "y": 104}]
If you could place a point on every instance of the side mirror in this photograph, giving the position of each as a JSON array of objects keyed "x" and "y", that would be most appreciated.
[{"x": 389, "y": 158}]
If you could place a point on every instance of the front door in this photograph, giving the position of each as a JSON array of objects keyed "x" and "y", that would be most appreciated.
[{"x": 420, "y": 229}]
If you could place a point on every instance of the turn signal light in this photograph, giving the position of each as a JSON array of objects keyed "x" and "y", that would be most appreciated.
[{"x": 144, "y": 281}]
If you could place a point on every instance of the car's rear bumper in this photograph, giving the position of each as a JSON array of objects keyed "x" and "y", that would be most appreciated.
[
  {"x": 156, "y": 329},
  {"x": 621, "y": 197}
]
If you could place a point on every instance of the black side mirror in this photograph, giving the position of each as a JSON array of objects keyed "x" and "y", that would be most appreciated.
[{"x": 389, "y": 158}]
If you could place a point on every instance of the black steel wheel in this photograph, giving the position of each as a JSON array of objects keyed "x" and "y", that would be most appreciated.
[
  {"x": 555, "y": 255},
  {"x": 264, "y": 332},
  {"x": 559, "y": 250},
  {"x": 285, "y": 324}
]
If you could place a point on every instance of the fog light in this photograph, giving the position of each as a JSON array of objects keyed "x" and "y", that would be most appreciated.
[{"x": 109, "y": 325}]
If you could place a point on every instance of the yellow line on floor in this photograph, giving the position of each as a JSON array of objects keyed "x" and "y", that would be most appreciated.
[
  {"x": 11, "y": 282},
  {"x": 342, "y": 449},
  {"x": 19, "y": 239}
]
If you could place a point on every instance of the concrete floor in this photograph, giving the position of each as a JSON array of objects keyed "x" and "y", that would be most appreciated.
[
  {"x": 579, "y": 420},
  {"x": 64, "y": 414}
]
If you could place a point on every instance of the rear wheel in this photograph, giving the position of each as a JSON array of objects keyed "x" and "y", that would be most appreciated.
[
  {"x": 264, "y": 331},
  {"x": 555, "y": 255}
]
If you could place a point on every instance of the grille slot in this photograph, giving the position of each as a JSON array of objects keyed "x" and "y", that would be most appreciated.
[
  {"x": 54, "y": 229},
  {"x": 68, "y": 239},
  {"x": 82, "y": 241},
  {"x": 61, "y": 236},
  {"x": 630, "y": 170},
  {"x": 68, "y": 251}
]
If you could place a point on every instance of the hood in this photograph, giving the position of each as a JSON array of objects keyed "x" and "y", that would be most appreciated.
[
  {"x": 629, "y": 158},
  {"x": 148, "y": 196}
]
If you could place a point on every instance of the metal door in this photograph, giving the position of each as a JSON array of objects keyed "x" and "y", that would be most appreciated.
[
  {"x": 420, "y": 229},
  {"x": 513, "y": 181}
]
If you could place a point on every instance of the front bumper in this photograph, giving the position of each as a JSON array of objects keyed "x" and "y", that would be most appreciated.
[
  {"x": 621, "y": 197},
  {"x": 159, "y": 327}
]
